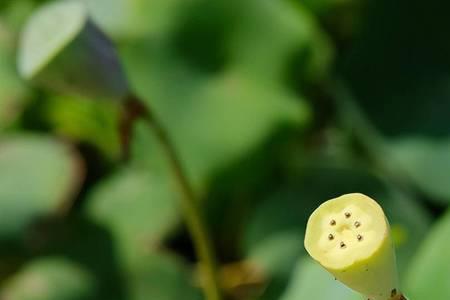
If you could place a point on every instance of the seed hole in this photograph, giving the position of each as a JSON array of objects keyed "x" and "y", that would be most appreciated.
[
  {"x": 348, "y": 215},
  {"x": 359, "y": 237},
  {"x": 357, "y": 224},
  {"x": 343, "y": 245},
  {"x": 333, "y": 222},
  {"x": 331, "y": 237}
]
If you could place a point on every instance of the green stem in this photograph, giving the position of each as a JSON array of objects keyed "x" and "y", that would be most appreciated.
[{"x": 190, "y": 207}]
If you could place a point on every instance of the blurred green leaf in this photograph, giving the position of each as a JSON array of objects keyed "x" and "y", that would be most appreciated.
[
  {"x": 276, "y": 253},
  {"x": 429, "y": 272},
  {"x": 90, "y": 245},
  {"x": 222, "y": 99},
  {"x": 162, "y": 277},
  {"x": 134, "y": 19},
  {"x": 134, "y": 206},
  {"x": 275, "y": 257},
  {"x": 49, "y": 279},
  {"x": 296, "y": 41},
  {"x": 427, "y": 163},
  {"x": 86, "y": 120},
  {"x": 140, "y": 271},
  {"x": 38, "y": 176},
  {"x": 222, "y": 121},
  {"x": 15, "y": 15},
  {"x": 311, "y": 281},
  {"x": 138, "y": 207}
]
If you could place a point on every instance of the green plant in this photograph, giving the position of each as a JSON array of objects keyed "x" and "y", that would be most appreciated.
[
  {"x": 350, "y": 237},
  {"x": 271, "y": 106},
  {"x": 62, "y": 49}
]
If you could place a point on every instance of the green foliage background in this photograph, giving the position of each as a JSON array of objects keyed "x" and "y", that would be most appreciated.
[{"x": 274, "y": 106}]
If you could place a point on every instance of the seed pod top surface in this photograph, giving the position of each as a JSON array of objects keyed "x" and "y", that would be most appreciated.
[{"x": 346, "y": 230}]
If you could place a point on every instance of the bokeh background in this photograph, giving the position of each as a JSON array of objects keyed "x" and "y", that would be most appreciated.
[{"x": 274, "y": 106}]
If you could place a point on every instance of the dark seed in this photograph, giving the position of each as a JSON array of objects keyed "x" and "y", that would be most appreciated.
[
  {"x": 348, "y": 215},
  {"x": 333, "y": 222},
  {"x": 359, "y": 237},
  {"x": 343, "y": 245},
  {"x": 331, "y": 237},
  {"x": 357, "y": 224},
  {"x": 393, "y": 293}
]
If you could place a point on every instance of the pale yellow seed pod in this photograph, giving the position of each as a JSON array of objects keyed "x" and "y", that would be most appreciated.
[{"x": 350, "y": 237}]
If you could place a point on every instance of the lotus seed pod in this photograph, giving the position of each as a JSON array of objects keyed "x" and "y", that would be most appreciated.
[
  {"x": 62, "y": 49},
  {"x": 350, "y": 237}
]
